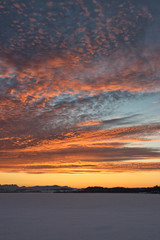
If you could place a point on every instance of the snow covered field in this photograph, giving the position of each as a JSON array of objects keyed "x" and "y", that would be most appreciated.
[{"x": 34, "y": 216}]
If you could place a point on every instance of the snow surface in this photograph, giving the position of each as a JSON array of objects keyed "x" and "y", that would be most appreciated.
[{"x": 34, "y": 216}]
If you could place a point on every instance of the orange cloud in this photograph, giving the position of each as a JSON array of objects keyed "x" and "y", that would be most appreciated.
[{"x": 93, "y": 123}]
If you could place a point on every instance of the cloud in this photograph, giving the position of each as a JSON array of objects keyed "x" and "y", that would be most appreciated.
[
  {"x": 76, "y": 78},
  {"x": 68, "y": 151},
  {"x": 105, "y": 62},
  {"x": 109, "y": 160},
  {"x": 110, "y": 122}
]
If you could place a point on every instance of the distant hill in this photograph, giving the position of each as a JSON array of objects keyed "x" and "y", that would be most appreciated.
[
  {"x": 42, "y": 189},
  {"x": 65, "y": 189}
]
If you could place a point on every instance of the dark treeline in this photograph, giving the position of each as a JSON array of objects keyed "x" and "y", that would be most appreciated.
[{"x": 155, "y": 189}]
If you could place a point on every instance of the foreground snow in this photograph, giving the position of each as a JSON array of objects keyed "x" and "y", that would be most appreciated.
[{"x": 79, "y": 216}]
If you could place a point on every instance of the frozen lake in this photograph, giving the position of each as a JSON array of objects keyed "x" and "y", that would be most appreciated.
[{"x": 37, "y": 216}]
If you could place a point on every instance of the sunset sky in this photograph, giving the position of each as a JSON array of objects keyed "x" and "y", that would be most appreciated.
[{"x": 80, "y": 92}]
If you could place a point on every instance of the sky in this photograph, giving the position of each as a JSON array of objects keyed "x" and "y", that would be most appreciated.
[{"x": 80, "y": 92}]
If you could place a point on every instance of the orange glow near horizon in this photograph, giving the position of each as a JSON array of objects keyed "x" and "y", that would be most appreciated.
[{"x": 122, "y": 179}]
